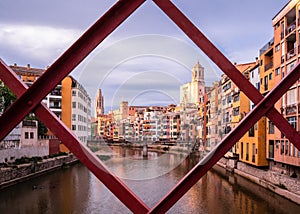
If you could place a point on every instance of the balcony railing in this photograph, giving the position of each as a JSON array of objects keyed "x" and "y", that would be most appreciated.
[
  {"x": 266, "y": 46},
  {"x": 55, "y": 107}
]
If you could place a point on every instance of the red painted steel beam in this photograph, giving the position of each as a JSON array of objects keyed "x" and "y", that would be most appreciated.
[
  {"x": 113, "y": 183},
  {"x": 226, "y": 66},
  {"x": 220, "y": 150},
  {"x": 66, "y": 63}
]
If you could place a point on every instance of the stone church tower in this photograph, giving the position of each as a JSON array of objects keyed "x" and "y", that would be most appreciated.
[
  {"x": 99, "y": 104},
  {"x": 192, "y": 92}
]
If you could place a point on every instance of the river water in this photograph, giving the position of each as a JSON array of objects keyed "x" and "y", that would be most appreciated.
[{"x": 76, "y": 190}]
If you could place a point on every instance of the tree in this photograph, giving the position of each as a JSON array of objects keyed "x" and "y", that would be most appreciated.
[
  {"x": 42, "y": 129},
  {"x": 7, "y": 97}
]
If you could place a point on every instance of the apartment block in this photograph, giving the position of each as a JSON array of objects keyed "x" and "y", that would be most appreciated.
[
  {"x": 286, "y": 55},
  {"x": 76, "y": 109},
  {"x": 68, "y": 101}
]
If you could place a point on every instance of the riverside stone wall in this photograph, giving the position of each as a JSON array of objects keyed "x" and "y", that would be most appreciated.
[
  {"x": 14, "y": 174},
  {"x": 273, "y": 177},
  {"x": 9, "y": 155},
  {"x": 275, "y": 181}
]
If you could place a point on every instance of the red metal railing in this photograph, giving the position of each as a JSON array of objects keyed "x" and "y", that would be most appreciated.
[{"x": 29, "y": 99}]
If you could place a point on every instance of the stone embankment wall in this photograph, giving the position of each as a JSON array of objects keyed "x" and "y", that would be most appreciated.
[
  {"x": 17, "y": 173},
  {"x": 281, "y": 184},
  {"x": 9, "y": 155}
]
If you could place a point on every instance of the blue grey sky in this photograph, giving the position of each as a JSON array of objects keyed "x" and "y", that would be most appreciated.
[{"x": 147, "y": 58}]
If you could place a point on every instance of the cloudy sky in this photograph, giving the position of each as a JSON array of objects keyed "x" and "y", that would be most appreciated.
[{"x": 147, "y": 58}]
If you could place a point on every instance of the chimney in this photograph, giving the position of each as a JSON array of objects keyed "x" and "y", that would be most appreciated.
[{"x": 28, "y": 66}]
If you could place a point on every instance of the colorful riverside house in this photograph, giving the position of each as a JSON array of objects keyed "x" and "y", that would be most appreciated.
[
  {"x": 226, "y": 109},
  {"x": 212, "y": 117},
  {"x": 286, "y": 55},
  {"x": 251, "y": 148},
  {"x": 265, "y": 84}
]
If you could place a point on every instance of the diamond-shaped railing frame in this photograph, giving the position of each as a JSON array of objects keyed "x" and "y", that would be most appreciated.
[{"x": 29, "y": 99}]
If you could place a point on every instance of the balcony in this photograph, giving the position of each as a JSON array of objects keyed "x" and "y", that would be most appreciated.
[
  {"x": 291, "y": 28},
  {"x": 266, "y": 46},
  {"x": 291, "y": 53},
  {"x": 268, "y": 66}
]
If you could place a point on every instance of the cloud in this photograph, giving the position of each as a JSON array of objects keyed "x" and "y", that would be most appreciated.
[
  {"x": 37, "y": 43},
  {"x": 124, "y": 68}
]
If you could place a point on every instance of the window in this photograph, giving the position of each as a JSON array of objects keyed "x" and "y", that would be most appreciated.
[
  {"x": 271, "y": 148},
  {"x": 242, "y": 150},
  {"x": 236, "y": 111},
  {"x": 253, "y": 152},
  {"x": 292, "y": 121},
  {"x": 266, "y": 82},
  {"x": 282, "y": 50},
  {"x": 73, "y": 104},
  {"x": 277, "y": 144},
  {"x": 236, "y": 97},
  {"x": 270, "y": 76},
  {"x": 31, "y": 135},
  {"x": 73, "y": 93},
  {"x": 73, "y": 117},
  {"x": 229, "y": 99},
  {"x": 247, "y": 151},
  {"x": 224, "y": 102},
  {"x": 251, "y": 132},
  {"x": 26, "y": 135},
  {"x": 277, "y": 47},
  {"x": 286, "y": 147},
  {"x": 257, "y": 85},
  {"x": 282, "y": 147},
  {"x": 271, "y": 127},
  {"x": 291, "y": 97},
  {"x": 277, "y": 71},
  {"x": 73, "y": 127}
]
